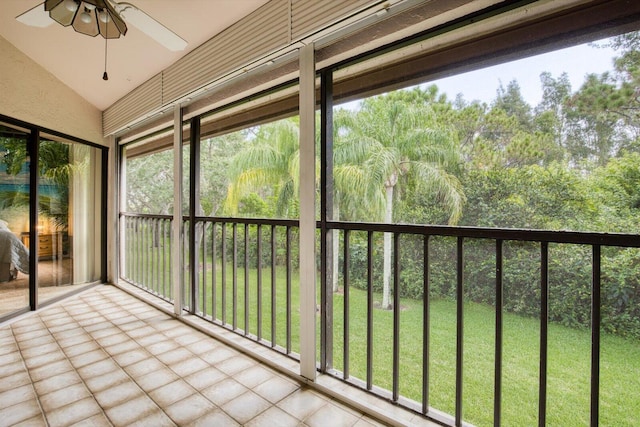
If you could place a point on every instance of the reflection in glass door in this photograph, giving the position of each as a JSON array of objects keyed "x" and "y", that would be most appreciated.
[
  {"x": 69, "y": 216},
  {"x": 54, "y": 260},
  {"x": 14, "y": 219}
]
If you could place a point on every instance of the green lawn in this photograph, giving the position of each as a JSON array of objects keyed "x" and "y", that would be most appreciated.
[{"x": 568, "y": 363}]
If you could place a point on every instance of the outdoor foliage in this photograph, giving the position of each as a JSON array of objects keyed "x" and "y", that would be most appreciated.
[{"x": 572, "y": 162}]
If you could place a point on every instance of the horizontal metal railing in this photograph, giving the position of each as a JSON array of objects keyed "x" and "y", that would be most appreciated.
[
  {"x": 243, "y": 282},
  {"x": 463, "y": 236},
  {"x": 147, "y": 252},
  {"x": 244, "y": 278}
]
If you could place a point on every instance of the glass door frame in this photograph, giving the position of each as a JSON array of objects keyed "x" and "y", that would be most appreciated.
[{"x": 33, "y": 144}]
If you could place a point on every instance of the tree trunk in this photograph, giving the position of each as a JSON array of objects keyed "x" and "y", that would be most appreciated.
[{"x": 388, "y": 217}]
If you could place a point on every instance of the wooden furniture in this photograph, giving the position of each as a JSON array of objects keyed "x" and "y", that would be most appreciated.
[{"x": 49, "y": 244}]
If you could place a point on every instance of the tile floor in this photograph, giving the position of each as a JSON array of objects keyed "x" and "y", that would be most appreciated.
[{"x": 106, "y": 358}]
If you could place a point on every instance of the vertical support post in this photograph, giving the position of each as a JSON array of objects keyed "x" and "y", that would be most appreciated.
[
  {"x": 246, "y": 280},
  {"x": 117, "y": 244},
  {"x": 194, "y": 191},
  {"x": 273, "y": 286},
  {"x": 307, "y": 214},
  {"x": 259, "y": 272},
  {"x": 214, "y": 273},
  {"x": 108, "y": 215},
  {"x": 328, "y": 271},
  {"x": 345, "y": 310},
  {"x": 176, "y": 229}
]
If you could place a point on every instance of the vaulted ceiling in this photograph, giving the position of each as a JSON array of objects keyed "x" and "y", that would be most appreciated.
[{"x": 79, "y": 60}]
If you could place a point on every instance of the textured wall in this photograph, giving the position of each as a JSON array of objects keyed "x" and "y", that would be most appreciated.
[{"x": 30, "y": 93}]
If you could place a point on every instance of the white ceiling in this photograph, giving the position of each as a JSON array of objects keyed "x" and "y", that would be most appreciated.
[{"x": 78, "y": 60}]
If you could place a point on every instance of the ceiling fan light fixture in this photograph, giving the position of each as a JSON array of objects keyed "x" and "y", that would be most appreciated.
[
  {"x": 103, "y": 16},
  {"x": 89, "y": 17},
  {"x": 85, "y": 17},
  {"x": 71, "y": 5}
]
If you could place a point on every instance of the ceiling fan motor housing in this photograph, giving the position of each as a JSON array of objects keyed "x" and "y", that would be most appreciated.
[{"x": 90, "y": 17}]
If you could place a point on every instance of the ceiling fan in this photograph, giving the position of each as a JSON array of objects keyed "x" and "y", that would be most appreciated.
[{"x": 104, "y": 17}]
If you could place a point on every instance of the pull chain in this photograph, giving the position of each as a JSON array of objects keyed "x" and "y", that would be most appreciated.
[{"x": 105, "y": 76}]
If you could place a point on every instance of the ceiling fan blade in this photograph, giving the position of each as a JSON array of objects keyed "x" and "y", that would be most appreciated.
[
  {"x": 137, "y": 18},
  {"x": 35, "y": 17}
]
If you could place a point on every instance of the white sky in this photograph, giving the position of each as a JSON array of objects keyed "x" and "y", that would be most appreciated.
[
  {"x": 482, "y": 84},
  {"x": 577, "y": 61}
]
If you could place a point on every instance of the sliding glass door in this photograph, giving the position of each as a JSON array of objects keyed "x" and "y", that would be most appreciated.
[
  {"x": 14, "y": 218},
  {"x": 52, "y": 207},
  {"x": 69, "y": 216}
]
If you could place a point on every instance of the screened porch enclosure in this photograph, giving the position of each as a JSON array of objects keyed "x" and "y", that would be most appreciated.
[
  {"x": 383, "y": 221},
  {"x": 241, "y": 286}
]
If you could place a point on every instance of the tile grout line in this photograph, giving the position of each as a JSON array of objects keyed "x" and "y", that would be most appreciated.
[{"x": 24, "y": 364}]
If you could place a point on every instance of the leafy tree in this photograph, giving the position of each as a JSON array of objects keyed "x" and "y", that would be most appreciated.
[
  {"x": 511, "y": 101},
  {"x": 149, "y": 181},
  {"x": 268, "y": 165},
  {"x": 397, "y": 138},
  {"x": 550, "y": 115},
  {"x": 215, "y": 157},
  {"x": 593, "y": 134}
]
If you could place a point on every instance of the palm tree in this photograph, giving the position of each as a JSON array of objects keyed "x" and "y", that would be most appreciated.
[
  {"x": 56, "y": 171},
  {"x": 269, "y": 164},
  {"x": 391, "y": 140}
]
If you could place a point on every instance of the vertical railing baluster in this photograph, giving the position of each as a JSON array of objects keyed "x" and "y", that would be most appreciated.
[
  {"x": 595, "y": 335},
  {"x": 369, "y": 310},
  {"x": 140, "y": 253},
  {"x": 152, "y": 282},
  {"x": 170, "y": 251},
  {"x": 426, "y": 307},
  {"x": 235, "y": 277},
  {"x": 143, "y": 252},
  {"x": 145, "y": 255},
  {"x": 154, "y": 250},
  {"x": 396, "y": 317},
  {"x": 273, "y": 285},
  {"x": 127, "y": 240},
  {"x": 214, "y": 273},
  {"x": 194, "y": 284},
  {"x": 459, "y": 328},
  {"x": 187, "y": 258},
  {"x": 259, "y": 272},
  {"x": 544, "y": 331},
  {"x": 345, "y": 308},
  {"x": 204, "y": 268},
  {"x": 246, "y": 279},
  {"x": 164, "y": 258},
  {"x": 133, "y": 248},
  {"x": 149, "y": 251},
  {"x": 497, "y": 383},
  {"x": 129, "y": 250},
  {"x": 288, "y": 326},
  {"x": 156, "y": 244},
  {"x": 224, "y": 272}
]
